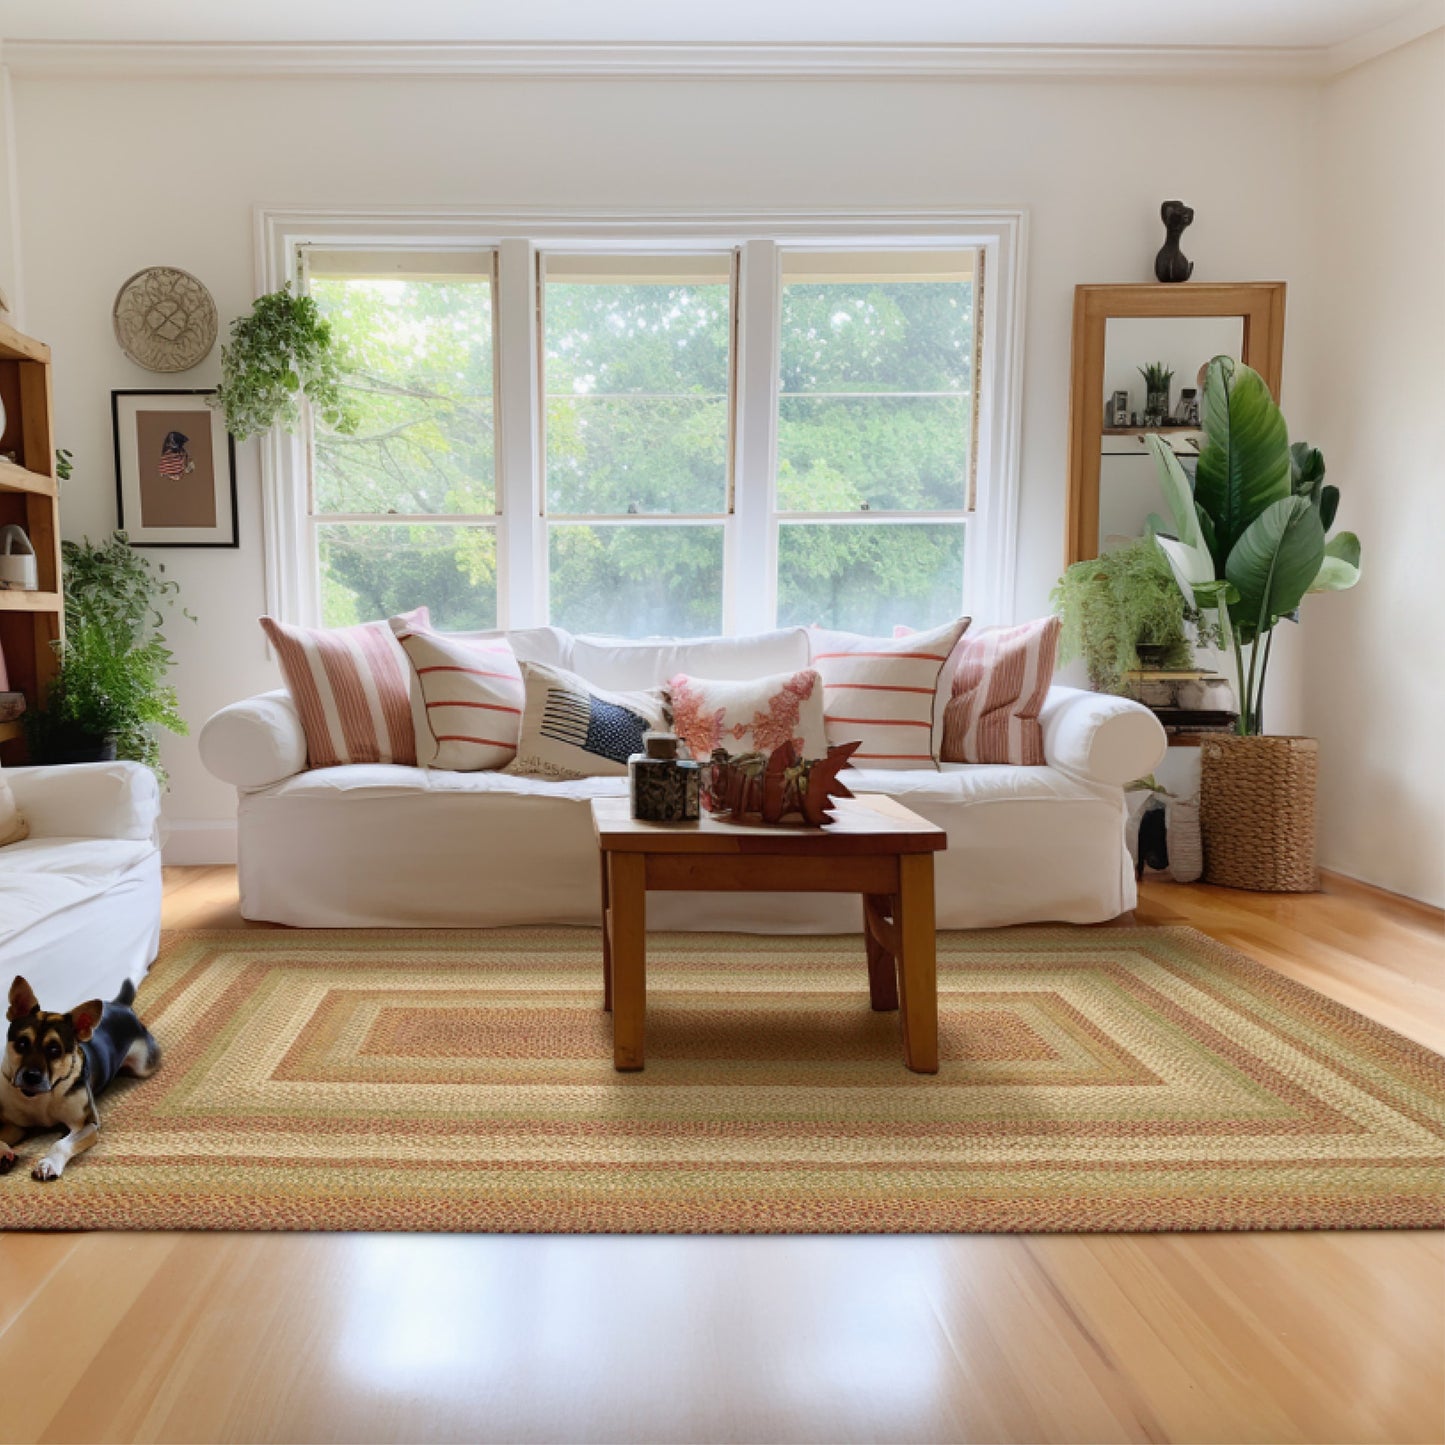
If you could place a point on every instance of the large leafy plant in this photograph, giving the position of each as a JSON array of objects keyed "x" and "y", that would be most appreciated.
[
  {"x": 1248, "y": 539},
  {"x": 114, "y": 658},
  {"x": 279, "y": 354}
]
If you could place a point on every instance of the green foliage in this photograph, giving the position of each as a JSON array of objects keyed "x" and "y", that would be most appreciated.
[
  {"x": 637, "y": 423},
  {"x": 1112, "y": 604},
  {"x": 1249, "y": 534},
  {"x": 64, "y": 464},
  {"x": 114, "y": 658},
  {"x": 283, "y": 350},
  {"x": 1157, "y": 376}
]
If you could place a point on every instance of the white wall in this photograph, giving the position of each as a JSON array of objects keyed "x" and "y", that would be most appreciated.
[
  {"x": 9, "y": 259},
  {"x": 1374, "y": 660},
  {"x": 120, "y": 174}
]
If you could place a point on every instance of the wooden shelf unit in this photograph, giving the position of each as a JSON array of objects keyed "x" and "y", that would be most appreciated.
[{"x": 30, "y": 622}]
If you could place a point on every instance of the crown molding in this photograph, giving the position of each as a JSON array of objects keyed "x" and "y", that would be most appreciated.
[
  {"x": 1421, "y": 19},
  {"x": 604, "y": 60}
]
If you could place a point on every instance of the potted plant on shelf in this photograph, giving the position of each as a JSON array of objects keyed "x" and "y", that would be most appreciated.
[
  {"x": 281, "y": 354},
  {"x": 1158, "y": 379},
  {"x": 1248, "y": 542},
  {"x": 1116, "y": 604},
  {"x": 110, "y": 693}
]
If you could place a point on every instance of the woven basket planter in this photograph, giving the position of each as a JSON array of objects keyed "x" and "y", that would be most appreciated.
[{"x": 1257, "y": 812}]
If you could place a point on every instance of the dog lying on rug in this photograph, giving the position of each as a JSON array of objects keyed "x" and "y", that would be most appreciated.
[{"x": 56, "y": 1065}]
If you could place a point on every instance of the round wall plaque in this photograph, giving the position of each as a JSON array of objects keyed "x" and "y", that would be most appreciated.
[{"x": 165, "y": 319}]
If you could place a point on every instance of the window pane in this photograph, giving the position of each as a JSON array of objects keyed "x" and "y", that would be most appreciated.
[
  {"x": 870, "y": 577},
  {"x": 876, "y": 381},
  {"x": 421, "y": 384},
  {"x": 637, "y": 378},
  {"x": 637, "y": 581},
  {"x": 831, "y": 451},
  {"x": 378, "y": 570}
]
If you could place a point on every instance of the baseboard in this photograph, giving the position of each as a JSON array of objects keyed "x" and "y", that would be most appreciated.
[
  {"x": 1334, "y": 881},
  {"x": 189, "y": 841}
]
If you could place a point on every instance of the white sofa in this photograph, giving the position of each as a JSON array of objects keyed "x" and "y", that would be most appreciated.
[
  {"x": 80, "y": 898},
  {"x": 384, "y": 846}
]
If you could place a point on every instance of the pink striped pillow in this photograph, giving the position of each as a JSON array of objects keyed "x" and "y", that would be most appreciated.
[
  {"x": 350, "y": 686},
  {"x": 467, "y": 702},
  {"x": 1002, "y": 680},
  {"x": 883, "y": 692}
]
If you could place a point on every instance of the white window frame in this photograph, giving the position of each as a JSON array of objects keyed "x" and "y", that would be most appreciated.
[{"x": 750, "y": 531}]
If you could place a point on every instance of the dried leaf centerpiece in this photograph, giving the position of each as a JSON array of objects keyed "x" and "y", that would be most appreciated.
[{"x": 768, "y": 788}]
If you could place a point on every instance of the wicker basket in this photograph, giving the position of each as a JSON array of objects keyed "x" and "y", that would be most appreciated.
[{"x": 1257, "y": 812}]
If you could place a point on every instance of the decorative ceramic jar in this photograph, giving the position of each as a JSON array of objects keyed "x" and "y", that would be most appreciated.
[{"x": 664, "y": 787}]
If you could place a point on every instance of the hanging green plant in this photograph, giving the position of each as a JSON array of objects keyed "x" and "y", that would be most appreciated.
[
  {"x": 1113, "y": 604},
  {"x": 281, "y": 352}
]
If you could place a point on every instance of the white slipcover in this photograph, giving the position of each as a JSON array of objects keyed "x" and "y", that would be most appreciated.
[
  {"x": 385, "y": 846},
  {"x": 80, "y": 898}
]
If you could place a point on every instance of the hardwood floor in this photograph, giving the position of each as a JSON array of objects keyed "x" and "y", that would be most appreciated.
[{"x": 1317, "y": 1337}]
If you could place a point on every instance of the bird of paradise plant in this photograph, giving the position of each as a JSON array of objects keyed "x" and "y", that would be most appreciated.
[{"x": 1248, "y": 536}]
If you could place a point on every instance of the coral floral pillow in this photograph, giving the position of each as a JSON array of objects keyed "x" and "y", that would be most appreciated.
[
  {"x": 999, "y": 688},
  {"x": 746, "y": 717}
]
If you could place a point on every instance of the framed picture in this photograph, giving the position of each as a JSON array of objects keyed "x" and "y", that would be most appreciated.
[
  {"x": 175, "y": 470},
  {"x": 1187, "y": 410},
  {"x": 1119, "y": 409}
]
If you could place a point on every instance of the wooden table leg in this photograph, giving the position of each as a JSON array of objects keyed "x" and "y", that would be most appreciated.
[
  {"x": 882, "y": 965},
  {"x": 627, "y": 887},
  {"x": 606, "y": 937},
  {"x": 917, "y": 962}
]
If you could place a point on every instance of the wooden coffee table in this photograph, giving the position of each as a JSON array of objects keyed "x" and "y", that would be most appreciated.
[{"x": 874, "y": 847}]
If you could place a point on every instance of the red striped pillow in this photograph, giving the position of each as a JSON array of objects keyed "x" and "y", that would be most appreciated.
[
  {"x": 1002, "y": 680},
  {"x": 350, "y": 686},
  {"x": 467, "y": 699},
  {"x": 882, "y": 691}
]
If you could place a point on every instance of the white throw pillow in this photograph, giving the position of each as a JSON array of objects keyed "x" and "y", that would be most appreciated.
[
  {"x": 571, "y": 729},
  {"x": 745, "y": 717},
  {"x": 13, "y": 826},
  {"x": 887, "y": 693}
]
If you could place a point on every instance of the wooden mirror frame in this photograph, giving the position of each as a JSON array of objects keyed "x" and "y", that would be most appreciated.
[{"x": 1259, "y": 303}]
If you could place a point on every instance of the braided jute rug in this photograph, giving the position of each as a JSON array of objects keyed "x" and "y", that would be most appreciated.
[{"x": 1091, "y": 1079}]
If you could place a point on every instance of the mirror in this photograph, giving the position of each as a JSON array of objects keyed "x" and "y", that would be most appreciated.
[{"x": 1121, "y": 333}]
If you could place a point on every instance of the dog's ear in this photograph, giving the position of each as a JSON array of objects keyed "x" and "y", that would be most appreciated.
[
  {"x": 85, "y": 1018},
  {"x": 23, "y": 1002}
]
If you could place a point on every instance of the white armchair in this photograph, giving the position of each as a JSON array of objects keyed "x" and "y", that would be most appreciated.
[{"x": 80, "y": 898}]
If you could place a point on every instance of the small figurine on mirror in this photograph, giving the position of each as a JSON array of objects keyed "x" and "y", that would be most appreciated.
[{"x": 1171, "y": 264}]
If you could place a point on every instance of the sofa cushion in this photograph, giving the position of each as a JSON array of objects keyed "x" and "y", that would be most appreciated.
[
  {"x": 615, "y": 663},
  {"x": 466, "y": 698},
  {"x": 42, "y": 877},
  {"x": 13, "y": 826},
  {"x": 884, "y": 692},
  {"x": 743, "y": 717},
  {"x": 351, "y": 689},
  {"x": 573, "y": 729},
  {"x": 999, "y": 688}
]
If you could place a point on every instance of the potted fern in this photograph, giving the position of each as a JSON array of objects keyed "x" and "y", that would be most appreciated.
[
  {"x": 1116, "y": 604},
  {"x": 1247, "y": 543},
  {"x": 1158, "y": 379},
  {"x": 110, "y": 693}
]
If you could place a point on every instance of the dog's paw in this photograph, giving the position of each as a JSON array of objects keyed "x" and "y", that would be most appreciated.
[
  {"x": 47, "y": 1170},
  {"x": 8, "y": 1160}
]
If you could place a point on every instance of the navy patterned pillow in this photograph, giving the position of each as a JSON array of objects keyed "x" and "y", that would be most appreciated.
[{"x": 571, "y": 729}]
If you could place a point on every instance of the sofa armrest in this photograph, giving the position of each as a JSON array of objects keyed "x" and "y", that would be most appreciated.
[
  {"x": 88, "y": 800},
  {"x": 255, "y": 743},
  {"x": 1105, "y": 739}
]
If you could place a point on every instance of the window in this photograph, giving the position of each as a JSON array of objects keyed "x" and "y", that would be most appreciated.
[
  {"x": 689, "y": 430},
  {"x": 404, "y": 510},
  {"x": 637, "y": 368},
  {"x": 874, "y": 442}
]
